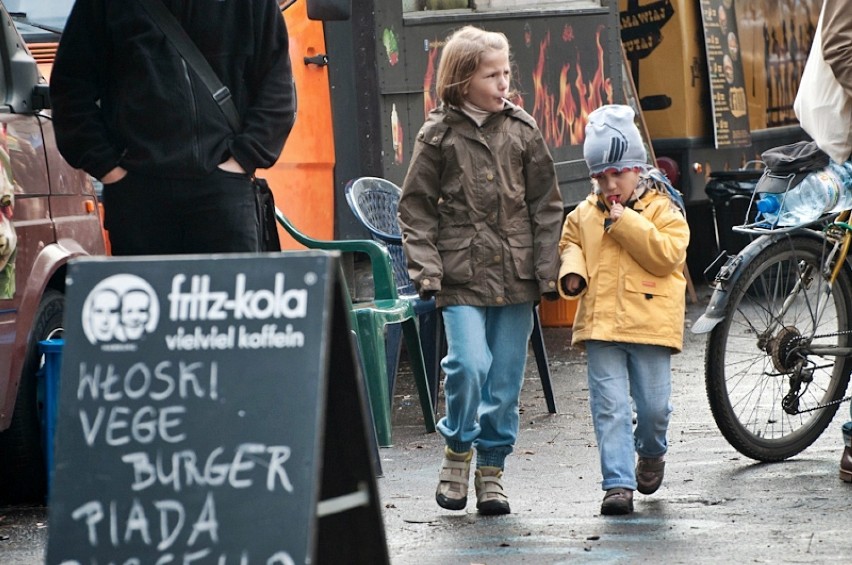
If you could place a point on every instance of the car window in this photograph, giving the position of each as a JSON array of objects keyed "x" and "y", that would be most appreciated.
[{"x": 50, "y": 14}]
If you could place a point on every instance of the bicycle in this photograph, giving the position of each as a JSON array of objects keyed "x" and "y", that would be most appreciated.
[{"x": 779, "y": 353}]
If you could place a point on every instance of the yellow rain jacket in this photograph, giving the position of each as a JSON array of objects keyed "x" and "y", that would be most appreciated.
[{"x": 633, "y": 270}]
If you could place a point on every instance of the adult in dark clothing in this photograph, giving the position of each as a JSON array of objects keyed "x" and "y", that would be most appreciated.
[{"x": 130, "y": 112}]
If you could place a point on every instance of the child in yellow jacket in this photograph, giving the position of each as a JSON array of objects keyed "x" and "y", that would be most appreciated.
[{"x": 622, "y": 255}]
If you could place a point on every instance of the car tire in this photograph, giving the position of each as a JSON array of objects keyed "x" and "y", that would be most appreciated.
[{"x": 23, "y": 473}]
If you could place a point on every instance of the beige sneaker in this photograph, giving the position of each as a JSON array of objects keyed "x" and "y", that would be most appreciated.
[
  {"x": 490, "y": 497},
  {"x": 454, "y": 480}
]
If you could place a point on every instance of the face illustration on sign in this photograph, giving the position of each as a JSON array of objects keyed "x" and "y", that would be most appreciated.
[
  {"x": 723, "y": 20},
  {"x": 104, "y": 314},
  {"x": 733, "y": 45},
  {"x": 135, "y": 313},
  {"x": 121, "y": 308},
  {"x": 728, "y": 65}
]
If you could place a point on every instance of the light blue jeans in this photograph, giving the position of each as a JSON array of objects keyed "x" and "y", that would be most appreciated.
[
  {"x": 484, "y": 367},
  {"x": 617, "y": 372}
]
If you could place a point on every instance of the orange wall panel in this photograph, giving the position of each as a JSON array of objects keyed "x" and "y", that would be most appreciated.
[{"x": 303, "y": 178}]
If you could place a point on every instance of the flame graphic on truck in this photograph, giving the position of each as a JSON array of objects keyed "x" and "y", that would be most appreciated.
[
  {"x": 562, "y": 111},
  {"x": 560, "y": 107}
]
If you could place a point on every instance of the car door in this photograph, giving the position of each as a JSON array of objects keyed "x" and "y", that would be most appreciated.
[{"x": 23, "y": 173}]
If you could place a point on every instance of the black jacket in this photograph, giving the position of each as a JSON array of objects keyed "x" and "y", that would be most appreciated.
[{"x": 122, "y": 95}]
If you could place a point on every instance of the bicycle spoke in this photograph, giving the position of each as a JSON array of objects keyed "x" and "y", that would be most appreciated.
[{"x": 776, "y": 309}]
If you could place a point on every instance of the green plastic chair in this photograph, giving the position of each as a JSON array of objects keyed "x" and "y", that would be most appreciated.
[{"x": 369, "y": 320}]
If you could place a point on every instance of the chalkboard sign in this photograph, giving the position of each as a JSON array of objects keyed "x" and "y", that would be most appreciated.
[{"x": 197, "y": 416}]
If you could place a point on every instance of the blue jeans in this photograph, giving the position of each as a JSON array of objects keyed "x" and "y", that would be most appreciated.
[
  {"x": 617, "y": 372},
  {"x": 484, "y": 367}
]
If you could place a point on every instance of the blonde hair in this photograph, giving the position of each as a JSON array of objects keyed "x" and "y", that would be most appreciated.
[{"x": 460, "y": 59}]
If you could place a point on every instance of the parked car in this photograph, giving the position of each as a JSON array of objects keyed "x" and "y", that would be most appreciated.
[{"x": 49, "y": 215}]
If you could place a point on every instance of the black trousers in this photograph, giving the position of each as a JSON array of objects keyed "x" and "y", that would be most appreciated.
[{"x": 154, "y": 216}]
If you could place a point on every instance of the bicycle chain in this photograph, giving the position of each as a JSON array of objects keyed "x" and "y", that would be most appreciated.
[
  {"x": 821, "y": 406},
  {"x": 833, "y": 402}
]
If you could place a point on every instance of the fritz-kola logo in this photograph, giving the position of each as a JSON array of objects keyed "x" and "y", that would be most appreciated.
[
  {"x": 194, "y": 299},
  {"x": 120, "y": 309}
]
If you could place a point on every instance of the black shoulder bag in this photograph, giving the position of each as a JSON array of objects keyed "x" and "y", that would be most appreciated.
[{"x": 174, "y": 32}]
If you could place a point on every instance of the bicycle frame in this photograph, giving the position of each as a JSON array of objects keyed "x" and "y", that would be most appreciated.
[{"x": 733, "y": 267}]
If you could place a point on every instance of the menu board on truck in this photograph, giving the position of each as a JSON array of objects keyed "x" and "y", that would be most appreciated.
[{"x": 725, "y": 71}]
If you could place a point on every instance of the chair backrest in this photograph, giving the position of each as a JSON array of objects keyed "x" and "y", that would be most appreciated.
[
  {"x": 380, "y": 259},
  {"x": 374, "y": 201}
]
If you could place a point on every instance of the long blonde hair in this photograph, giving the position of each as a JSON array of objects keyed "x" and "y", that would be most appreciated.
[{"x": 460, "y": 59}]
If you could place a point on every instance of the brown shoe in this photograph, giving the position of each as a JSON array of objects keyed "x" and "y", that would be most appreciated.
[
  {"x": 454, "y": 480},
  {"x": 491, "y": 500},
  {"x": 649, "y": 474},
  {"x": 617, "y": 501},
  {"x": 846, "y": 465}
]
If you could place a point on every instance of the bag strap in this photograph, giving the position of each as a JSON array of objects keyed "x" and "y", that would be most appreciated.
[{"x": 187, "y": 49}]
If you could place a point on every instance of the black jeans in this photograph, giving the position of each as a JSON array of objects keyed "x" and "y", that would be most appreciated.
[{"x": 155, "y": 216}]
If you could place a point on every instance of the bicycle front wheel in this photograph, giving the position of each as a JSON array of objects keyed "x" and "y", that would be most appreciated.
[{"x": 763, "y": 376}]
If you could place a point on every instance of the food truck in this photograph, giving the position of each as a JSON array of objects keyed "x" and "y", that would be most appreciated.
[
  {"x": 716, "y": 80},
  {"x": 712, "y": 81}
]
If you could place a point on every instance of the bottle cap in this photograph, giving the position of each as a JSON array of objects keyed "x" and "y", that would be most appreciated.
[{"x": 768, "y": 203}]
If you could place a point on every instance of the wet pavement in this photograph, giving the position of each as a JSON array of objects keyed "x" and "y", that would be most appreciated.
[
  {"x": 23, "y": 535},
  {"x": 715, "y": 505}
]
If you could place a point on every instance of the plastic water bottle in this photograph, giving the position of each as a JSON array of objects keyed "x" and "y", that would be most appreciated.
[{"x": 821, "y": 192}]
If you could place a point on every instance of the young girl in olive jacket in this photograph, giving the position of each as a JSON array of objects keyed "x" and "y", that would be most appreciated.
[
  {"x": 480, "y": 214},
  {"x": 623, "y": 251}
]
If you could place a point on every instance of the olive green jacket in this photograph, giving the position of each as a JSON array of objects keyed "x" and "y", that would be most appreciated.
[{"x": 480, "y": 211}]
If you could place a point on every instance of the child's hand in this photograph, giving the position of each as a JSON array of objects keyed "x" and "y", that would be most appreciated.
[
  {"x": 616, "y": 211},
  {"x": 572, "y": 284},
  {"x": 616, "y": 208}
]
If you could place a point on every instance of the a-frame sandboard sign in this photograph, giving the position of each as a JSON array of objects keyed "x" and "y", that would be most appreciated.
[{"x": 212, "y": 411}]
